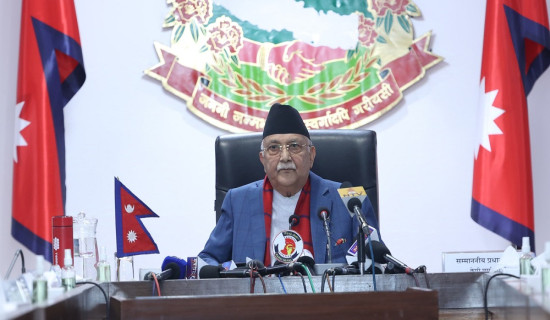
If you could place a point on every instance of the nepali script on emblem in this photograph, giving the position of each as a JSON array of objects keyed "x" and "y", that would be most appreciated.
[{"x": 231, "y": 60}]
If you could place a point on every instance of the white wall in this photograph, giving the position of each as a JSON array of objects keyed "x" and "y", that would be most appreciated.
[{"x": 122, "y": 123}]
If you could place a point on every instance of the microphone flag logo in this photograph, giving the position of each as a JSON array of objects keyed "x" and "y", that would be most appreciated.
[
  {"x": 51, "y": 72},
  {"x": 132, "y": 238},
  {"x": 288, "y": 246},
  {"x": 515, "y": 53},
  {"x": 347, "y": 193},
  {"x": 352, "y": 192}
]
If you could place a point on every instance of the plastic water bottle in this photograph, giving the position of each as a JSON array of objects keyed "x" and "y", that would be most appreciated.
[
  {"x": 103, "y": 267},
  {"x": 525, "y": 267},
  {"x": 68, "y": 277},
  {"x": 39, "y": 283}
]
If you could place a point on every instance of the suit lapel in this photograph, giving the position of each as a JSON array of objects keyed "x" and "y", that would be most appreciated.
[
  {"x": 257, "y": 224},
  {"x": 250, "y": 233}
]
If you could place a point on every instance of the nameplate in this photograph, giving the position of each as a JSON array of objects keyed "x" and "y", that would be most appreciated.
[{"x": 470, "y": 261}]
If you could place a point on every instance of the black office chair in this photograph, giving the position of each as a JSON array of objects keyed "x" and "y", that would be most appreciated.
[{"x": 342, "y": 155}]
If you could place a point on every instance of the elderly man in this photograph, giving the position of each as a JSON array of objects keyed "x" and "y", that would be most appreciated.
[{"x": 254, "y": 214}]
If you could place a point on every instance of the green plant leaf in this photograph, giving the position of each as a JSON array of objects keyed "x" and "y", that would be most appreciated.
[
  {"x": 411, "y": 8},
  {"x": 404, "y": 23},
  {"x": 388, "y": 21},
  {"x": 195, "y": 31},
  {"x": 381, "y": 39},
  {"x": 169, "y": 19},
  {"x": 379, "y": 21},
  {"x": 179, "y": 32}
]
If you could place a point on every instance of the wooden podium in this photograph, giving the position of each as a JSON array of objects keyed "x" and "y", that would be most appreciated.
[
  {"x": 410, "y": 304},
  {"x": 450, "y": 296}
]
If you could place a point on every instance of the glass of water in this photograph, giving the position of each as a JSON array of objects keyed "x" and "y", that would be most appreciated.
[{"x": 124, "y": 268}]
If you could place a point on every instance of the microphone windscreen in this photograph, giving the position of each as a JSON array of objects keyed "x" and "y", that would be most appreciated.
[
  {"x": 178, "y": 266},
  {"x": 354, "y": 202},
  {"x": 210, "y": 272},
  {"x": 293, "y": 220},
  {"x": 379, "y": 250},
  {"x": 346, "y": 184},
  {"x": 307, "y": 259},
  {"x": 324, "y": 211}
]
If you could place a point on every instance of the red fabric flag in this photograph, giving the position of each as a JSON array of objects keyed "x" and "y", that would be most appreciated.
[
  {"x": 132, "y": 237},
  {"x": 515, "y": 53},
  {"x": 51, "y": 71}
]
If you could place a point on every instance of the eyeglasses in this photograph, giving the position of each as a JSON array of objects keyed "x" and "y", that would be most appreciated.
[{"x": 277, "y": 148}]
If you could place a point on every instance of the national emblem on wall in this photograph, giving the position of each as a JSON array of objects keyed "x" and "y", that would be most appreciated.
[{"x": 230, "y": 62}]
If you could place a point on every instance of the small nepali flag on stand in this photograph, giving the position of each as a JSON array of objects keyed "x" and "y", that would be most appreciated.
[
  {"x": 132, "y": 237},
  {"x": 51, "y": 71},
  {"x": 515, "y": 53}
]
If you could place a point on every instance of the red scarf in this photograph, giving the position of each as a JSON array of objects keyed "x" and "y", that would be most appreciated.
[{"x": 302, "y": 210}]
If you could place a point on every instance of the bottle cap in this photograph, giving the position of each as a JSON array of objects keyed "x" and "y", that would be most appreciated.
[
  {"x": 525, "y": 246},
  {"x": 68, "y": 261},
  {"x": 39, "y": 264},
  {"x": 547, "y": 251},
  {"x": 102, "y": 253},
  {"x": 62, "y": 221}
]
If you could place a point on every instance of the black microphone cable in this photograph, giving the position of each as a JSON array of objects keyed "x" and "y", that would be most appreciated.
[
  {"x": 303, "y": 281},
  {"x": 372, "y": 262},
  {"x": 485, "y": 306},
  {"x": 323, "y": 279},
  {"x": 107, "y": 306}
]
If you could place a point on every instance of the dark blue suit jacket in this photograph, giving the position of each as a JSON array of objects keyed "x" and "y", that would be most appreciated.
[{"x": 240, "y": 231}]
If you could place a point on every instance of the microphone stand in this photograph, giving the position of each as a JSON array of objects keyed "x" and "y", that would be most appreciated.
[
  {"x": 361, "y": 251},
  {"x": 364, "y": 226},
  {"x": 363, "y": 229},
  {"x": 327, "y": 230}
]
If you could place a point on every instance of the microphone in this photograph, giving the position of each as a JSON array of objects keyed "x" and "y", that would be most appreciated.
[
  {"x": 215, "y": 272},
  {"x": 353, "y": 198},
  {"x": 308, "y": 260},
  {"x": 172, "y": 268},
  {"x": 383, "y": 255},
  {"x": 324, "y": 214},
  {"x": 255, "y": 264},
  {"x": 293, "y": 220},
  {"x": 350, "y": 269},
  {"x": 284, "y": 268},
  {"x": 354, "y": 205}
]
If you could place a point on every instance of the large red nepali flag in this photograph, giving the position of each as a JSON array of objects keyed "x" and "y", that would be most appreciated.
[
  {"x": 515, "y": 53},
  {"x": 132, "y": 238},
  {"x": 51, "y": 71}
]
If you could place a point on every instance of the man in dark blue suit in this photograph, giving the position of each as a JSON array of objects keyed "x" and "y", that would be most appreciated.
[{"x": 254, "y": 214}]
